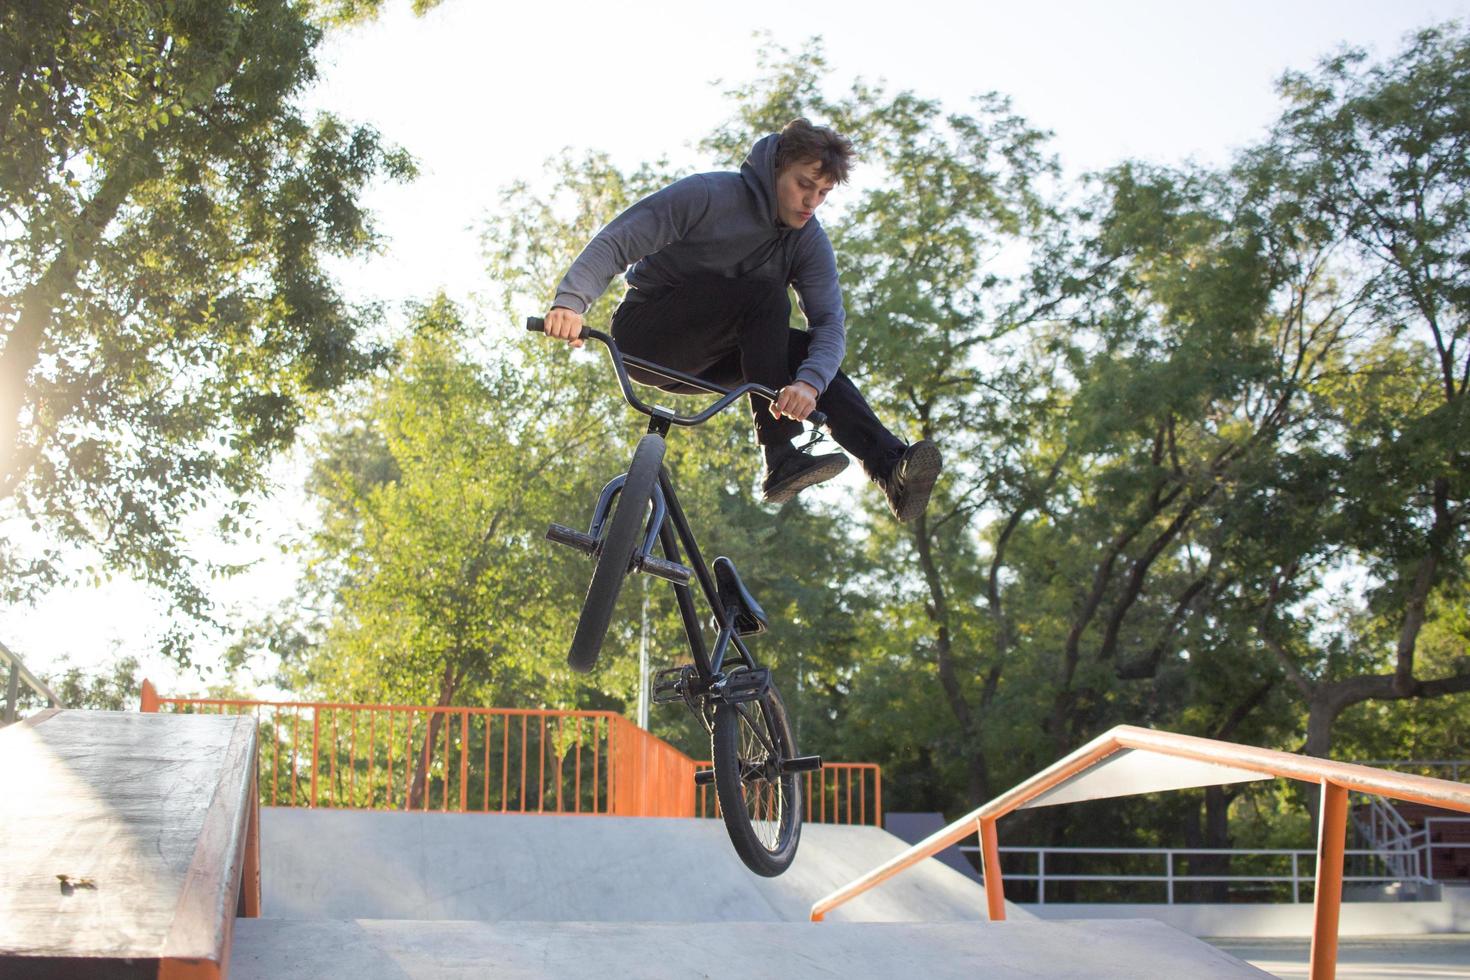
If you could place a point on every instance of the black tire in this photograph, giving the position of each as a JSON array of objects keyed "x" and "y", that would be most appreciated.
[
  {"x": 625, "y": 531},
  {"x": 761, "y": 807}
]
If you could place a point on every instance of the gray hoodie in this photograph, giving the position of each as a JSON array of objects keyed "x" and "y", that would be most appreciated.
[{"x": 720, "y": 224}]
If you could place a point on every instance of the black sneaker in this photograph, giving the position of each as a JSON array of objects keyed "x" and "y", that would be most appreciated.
[
  {"x": 796, "y": 471},
  {"x": 908, "y": 485}
]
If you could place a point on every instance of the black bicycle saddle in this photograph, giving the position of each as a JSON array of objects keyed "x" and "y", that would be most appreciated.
[{"x": 750, "y": 618}]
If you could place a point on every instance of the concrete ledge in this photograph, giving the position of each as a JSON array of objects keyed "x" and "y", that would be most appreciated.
[
  {"x": 127, "y": 839},
  {"x": 364, "y": 949}
]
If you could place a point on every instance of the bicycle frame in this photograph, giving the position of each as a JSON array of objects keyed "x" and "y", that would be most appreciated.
[
  {"x": 674, "y": 533},
  {"x": 669, "y": 527}
]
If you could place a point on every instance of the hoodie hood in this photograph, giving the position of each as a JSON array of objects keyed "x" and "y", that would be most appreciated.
[{"x": 759, "y": 173}]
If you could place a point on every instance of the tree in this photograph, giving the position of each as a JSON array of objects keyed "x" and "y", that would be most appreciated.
[
  {"x": 434, "y": 496},
  {"x": 165, "y": 317},
  {"x": 1377, "y": 154}
]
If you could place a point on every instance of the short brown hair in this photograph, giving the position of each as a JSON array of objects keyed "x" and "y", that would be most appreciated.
[{"x": 802, "y": 142}]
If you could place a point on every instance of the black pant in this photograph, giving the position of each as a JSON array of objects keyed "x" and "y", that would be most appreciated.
[{"x": 733, "y": 331}]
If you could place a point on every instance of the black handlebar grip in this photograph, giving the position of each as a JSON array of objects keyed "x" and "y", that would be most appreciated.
[{"x": 537, "y": 324}]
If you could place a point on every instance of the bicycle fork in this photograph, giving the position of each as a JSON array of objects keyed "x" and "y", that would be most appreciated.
[{"x": 589, "y": 542}]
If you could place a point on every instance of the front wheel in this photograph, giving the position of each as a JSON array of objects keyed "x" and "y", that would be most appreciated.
[
  {"x": 624, "y": 532},
  {"x": 761, "y": 805}
]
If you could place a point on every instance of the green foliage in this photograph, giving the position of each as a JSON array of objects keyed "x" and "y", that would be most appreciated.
[
  {"x": 1210, "y": 399},
  {"x": 165, "y": 212},
  {"x": 434, "y": 492}
]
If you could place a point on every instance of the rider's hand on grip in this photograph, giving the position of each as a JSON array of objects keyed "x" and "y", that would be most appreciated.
[
  {"x": 563, "y": 324},
  {"x": 795, "y": 401}
]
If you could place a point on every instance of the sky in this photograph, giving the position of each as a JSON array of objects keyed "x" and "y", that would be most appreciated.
[{"x": 483, "y": 93}]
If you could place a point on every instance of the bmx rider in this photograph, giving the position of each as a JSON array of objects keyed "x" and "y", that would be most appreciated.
[{"x": 711, "y": 257}]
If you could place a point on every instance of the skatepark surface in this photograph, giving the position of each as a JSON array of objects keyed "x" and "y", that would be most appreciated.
[
  {"x": 1442, "y": 957},
  {"x": 404, "y": 896}
]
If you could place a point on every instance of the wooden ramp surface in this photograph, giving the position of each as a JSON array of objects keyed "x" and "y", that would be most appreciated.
[{"x": 152, "y": 820}]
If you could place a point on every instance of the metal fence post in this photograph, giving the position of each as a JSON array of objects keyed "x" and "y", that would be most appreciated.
[
  {"x": 464, "y": 762},
  {"x": 316, "y": 731},
  {"x": 995, "y": 895},
  {"x": 878, "y": 797},
  {"x": 1169, "y": 875},
  {"x": 12, "y": 694},
  {"x": 1040, "y": 877},
  {"x": 1327, "y": 897}
]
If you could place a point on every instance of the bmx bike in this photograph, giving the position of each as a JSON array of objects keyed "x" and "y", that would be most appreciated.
[{"x": 757, "y": 769}]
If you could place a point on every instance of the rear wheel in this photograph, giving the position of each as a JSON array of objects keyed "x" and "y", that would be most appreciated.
[
  {"x": 625, "y": 530},
  {"x": 760, "y": 804}
]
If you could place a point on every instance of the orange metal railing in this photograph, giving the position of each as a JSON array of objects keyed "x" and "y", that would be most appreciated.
[
  {"x": 1218, "y": 762},
  {"x": 839, "y": 792},
  {"x": 490, "y": 760},
  {"x": 493, "y": 760}
]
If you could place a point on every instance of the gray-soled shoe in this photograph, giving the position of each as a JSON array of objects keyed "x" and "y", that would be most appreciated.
[
  {"x": 909, "y": 484},
  {"x": 795, "y": 472}
]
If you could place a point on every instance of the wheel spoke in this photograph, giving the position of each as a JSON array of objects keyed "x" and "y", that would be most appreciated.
[
  {"x": 764, "y": 795},
  {"x": 756, "y": 727}
]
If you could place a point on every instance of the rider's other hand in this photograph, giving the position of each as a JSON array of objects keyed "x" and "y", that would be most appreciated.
[
  {"x": 564, "y": 324},
  {"x": 797, "y": 400}
]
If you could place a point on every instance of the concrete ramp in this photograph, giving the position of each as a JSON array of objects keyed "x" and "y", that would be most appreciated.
[
  {"x": 389, "y": 896},
  {"x": 269, "y": 949},
  {"x": 324, "y": 864}
]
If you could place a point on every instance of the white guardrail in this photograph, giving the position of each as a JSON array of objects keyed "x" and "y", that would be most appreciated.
[
  {"x": 1173, "y": 873},
  {"x": 18, "y": 674}
]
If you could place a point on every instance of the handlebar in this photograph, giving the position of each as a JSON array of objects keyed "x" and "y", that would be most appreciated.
[{"x": 728, "y": 396}]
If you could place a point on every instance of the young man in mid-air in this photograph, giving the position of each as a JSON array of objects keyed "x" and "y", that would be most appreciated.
[{"x": 712, "y": 256}]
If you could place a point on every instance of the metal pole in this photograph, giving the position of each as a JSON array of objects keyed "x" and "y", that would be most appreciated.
[
  {"x": 1169, "y": 874},
  {"x": 12, "y": 693},
  {"x": 1041, "y": 877},
  {"x": 643, "y": 659},
  {"x": 995, "y": 893},
  {"x": 1327, "y": 902},
  {"x": 316, "y": 730}
]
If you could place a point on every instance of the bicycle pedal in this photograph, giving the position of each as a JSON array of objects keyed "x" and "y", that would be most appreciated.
[
  {"x": 571, "y": 537},
  {"x": 745, "y": 685},
  {"x": 660, "y": 568},
  {"x": 801, "y": 763},
  {"x": 671, "y": 683},
  {"x": 704, "y": 777}
]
